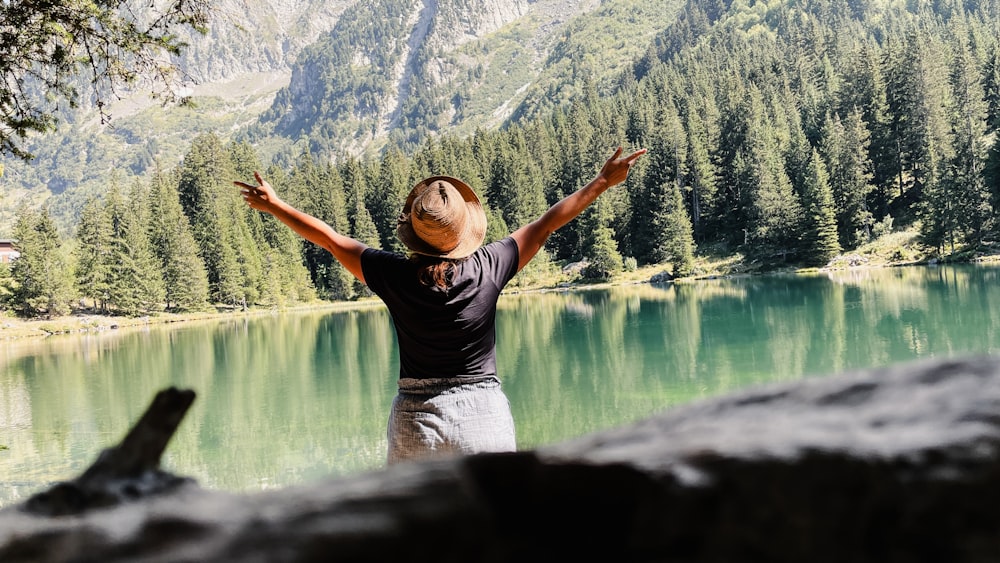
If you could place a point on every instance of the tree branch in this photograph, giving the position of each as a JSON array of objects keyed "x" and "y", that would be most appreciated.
[{"x": 128, "y": 471}]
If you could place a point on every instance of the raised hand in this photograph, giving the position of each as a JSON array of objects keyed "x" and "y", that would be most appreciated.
[
  {"x": 616, "y": 169},
  {"x": 261, "y": 196}
]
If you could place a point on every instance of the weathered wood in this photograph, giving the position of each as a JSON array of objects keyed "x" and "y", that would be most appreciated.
[
  {"x": 128, "y": 471},
  {"x": 889, "y": 465}
]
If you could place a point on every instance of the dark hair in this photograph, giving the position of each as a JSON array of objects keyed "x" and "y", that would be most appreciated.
[{"x": 433, "y": 271}]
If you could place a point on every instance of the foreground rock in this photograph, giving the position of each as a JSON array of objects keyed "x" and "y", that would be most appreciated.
[{"x": 900, "y": 464}]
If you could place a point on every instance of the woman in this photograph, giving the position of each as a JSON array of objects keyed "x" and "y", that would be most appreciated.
[{"x": 442, "y": 300}]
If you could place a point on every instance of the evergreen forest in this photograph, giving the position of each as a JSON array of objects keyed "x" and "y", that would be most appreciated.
[{"x": 787, "y": 131}]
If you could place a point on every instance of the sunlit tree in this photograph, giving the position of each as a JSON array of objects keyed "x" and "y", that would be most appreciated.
[
  {"x": 42, "y": 274},
  {"x": 844, "y": 146},
  {"x": 52, "y": 49},
  {"x": 184, "y": 276},
  {"x": 820, "y": 240},
  {"x": 94, "y": 257}
]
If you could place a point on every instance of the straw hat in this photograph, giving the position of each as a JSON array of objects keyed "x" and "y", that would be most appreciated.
[{"x": 442, "y": 217}]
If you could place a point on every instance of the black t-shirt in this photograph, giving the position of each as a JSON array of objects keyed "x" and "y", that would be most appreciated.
[{"x": 444, "y": 332}]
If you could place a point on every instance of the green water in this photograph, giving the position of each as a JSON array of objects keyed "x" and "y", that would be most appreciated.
[{"x": 290, "y": 398}]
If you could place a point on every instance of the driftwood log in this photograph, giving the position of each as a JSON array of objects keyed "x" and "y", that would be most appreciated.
[
  {"x": 890, "y": 465},
  {"x": 126, "y": 472}
]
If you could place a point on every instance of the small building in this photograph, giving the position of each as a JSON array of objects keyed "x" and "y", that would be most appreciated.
[{"x": 8, "y": 252}]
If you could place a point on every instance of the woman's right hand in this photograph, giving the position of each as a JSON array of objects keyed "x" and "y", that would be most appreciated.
[{"x": 261, "y": 196}]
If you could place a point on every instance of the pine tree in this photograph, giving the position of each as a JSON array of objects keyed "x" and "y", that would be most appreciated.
[
  {"x": 769, "y": 212},
  {"x": 363, "y": 230},
  {"x": 42, "y": 276},
  {"x": 360, "y": 224},
  {"x": 539, "y": 139},
  {"x": 515, "y": 183},
  {"x": 661, "y": 178},
  {"x": 991, "y": 87},
  {"x": 7, "y": 286},
  {"x": 640, "y": 114},
  {"x": 701, "y": 171},
  {"x": 992, "y": 174},
  {"x": 284, "y": 277},
  {"x": 776, "y": 216},
  {"x": 485, "y": 145},
  {"x": 907, "y": 110},
  {"x": 184, "y": 276},
  {"x": 217, "y": 216},
  {"x": 319, "y": 191},
  {"x": 462, "y": 163},
  {"x": 791, "y": 137},
  {"x": 496, "y": 227},
  {"x": 604, "y": 260},
  {"x": 917, "y": 97},
  {"x": 957, "y": 209},
  {"x": 740, "y": 110},
  {"x": 573, "y": 132},
  {"x": 245, "y": 238},
  {"x": 845, "y": 151},
  {"x": 136, "y": 285},
  {"x": 820, "y": 241},
  {"x": 257, "y": 237},
  {"x": 94, "y": 253},
  {"x": 305, "y": 189},
  {"x": 204, "y": 161},
  {"x": 149, "y": 285},
  {"x": 679, "y": 235},
  {"x": 244, "y": 159},
  {"x": 966, "y": 167},
  {"x": 864, "y": 93},
  {"x": 387, "y": 198}
]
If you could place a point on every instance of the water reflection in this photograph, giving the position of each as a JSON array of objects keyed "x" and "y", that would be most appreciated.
[{"x": 289, "y": 398}]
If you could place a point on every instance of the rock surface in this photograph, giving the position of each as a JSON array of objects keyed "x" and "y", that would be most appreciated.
[{"x": 898, "y": 464}]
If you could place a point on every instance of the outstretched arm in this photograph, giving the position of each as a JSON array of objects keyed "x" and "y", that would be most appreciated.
[
  {"x": 531, "y": 237},
  {"x": 345, "y": 249}
]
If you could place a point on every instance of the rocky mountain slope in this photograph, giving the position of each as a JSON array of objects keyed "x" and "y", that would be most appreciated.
[
  {"x": 349, "y": 75},
  {"x": 395, "y": 71}
]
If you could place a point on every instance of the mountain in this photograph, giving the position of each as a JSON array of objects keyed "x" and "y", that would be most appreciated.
[
  {"x": 257, "y": 37},
  {"x": 351, "y": 76},
  {"x": 395, "y": 71}
]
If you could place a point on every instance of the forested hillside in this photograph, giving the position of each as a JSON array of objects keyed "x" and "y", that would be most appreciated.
[
  {"x": 788, "y": 131},
  {"x": 886, "y": 110}
]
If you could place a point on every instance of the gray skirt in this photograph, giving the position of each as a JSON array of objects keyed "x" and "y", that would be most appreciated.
[{"x": 464, "y": 415}]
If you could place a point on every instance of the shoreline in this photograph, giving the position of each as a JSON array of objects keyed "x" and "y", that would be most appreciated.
[{"x": 14, "y": 328}]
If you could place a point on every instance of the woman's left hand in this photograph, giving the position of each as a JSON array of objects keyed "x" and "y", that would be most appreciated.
[{"x": 615, "y": 170}]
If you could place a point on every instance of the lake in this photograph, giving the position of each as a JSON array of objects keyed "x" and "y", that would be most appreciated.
[{"x": 293, "y": 397}]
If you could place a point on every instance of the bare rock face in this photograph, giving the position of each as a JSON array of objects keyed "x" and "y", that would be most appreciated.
[{"x": 898, "y": 464}]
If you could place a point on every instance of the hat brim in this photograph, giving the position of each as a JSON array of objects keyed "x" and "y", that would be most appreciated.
[{"x": 472, "y": 235}]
